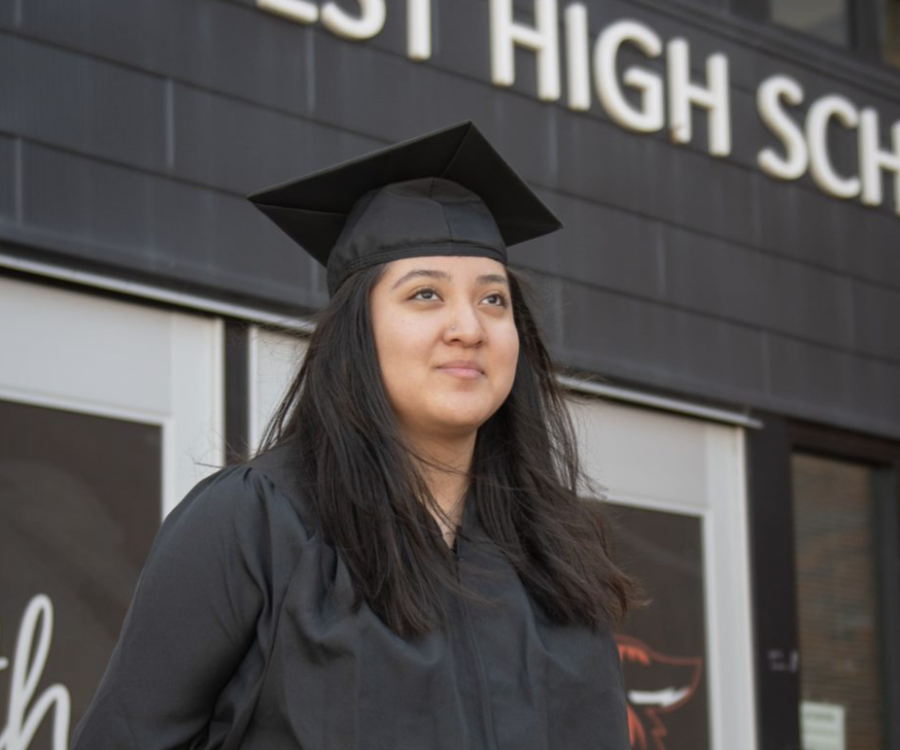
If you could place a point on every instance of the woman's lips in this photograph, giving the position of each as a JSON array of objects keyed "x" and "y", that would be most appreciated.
[{"x": 462, "y": 371}]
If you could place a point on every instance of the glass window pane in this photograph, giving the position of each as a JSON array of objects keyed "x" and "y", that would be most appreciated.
[
  {"x": 80, "y": 503},
  {"x": 825, "y": 19},
  {"x": 836, "y": 556},
  {"x": 891, "y": 32},
  {"x": 663, "y": 647}
]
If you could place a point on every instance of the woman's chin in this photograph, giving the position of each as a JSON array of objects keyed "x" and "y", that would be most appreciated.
[{"x": 454, "y": 423}]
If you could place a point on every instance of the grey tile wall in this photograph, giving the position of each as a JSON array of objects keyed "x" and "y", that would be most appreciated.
[
  {"x": 8, "y": 12},
  {"x": 259, "y": 53},
  {"x": 812, "y": 375},
  {"x": 833, "y": 386},
  {"x": 875, "y": 387},
  {"x": 872, "y": 247},
  {"x": 76, "y": 102},
  {"x": 877, "y": 321},
  {"x": 165, "y": 228},
  {"x": 743, "y": 284},
  {"x": 623, "y": 336},
  {"x": 602, "y": 246},
  {"x": 230, "y": 144},
  {"x": 143, "y": 125},
  {"x": 7, "y": 179},
  {"x": 211, "y": 43}
]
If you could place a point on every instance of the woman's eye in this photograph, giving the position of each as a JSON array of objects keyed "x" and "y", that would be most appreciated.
[
  {"x": 499, "y": 299},
  {"x": 425, "y": 291}
]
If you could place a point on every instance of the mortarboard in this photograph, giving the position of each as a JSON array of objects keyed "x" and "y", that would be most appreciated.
[{"x": 444, "y": 193}]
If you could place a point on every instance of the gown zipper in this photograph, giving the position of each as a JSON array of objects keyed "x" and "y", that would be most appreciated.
[{"x": 473, "y": 659}]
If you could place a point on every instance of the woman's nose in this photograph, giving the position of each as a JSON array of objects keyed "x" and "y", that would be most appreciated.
[{"x": 464, "y": 325}]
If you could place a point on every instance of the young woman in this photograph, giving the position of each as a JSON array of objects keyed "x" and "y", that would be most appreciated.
[{"x": 406, "y": 563}]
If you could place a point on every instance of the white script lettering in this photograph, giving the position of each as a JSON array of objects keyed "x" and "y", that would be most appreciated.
[{"x": 21, "y": 723}]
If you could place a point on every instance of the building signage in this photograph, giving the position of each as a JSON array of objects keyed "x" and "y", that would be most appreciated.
[
  {"x": 822, "y": 726},
  {"x": 664, "y": 101}
]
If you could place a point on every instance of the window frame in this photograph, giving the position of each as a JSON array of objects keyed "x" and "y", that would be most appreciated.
[
  {"x": 776, "y": 638},
  {"x": 863, "y": 38}
]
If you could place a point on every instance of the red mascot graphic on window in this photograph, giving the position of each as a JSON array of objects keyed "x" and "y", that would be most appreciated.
[{"x": 657, "y": 684}]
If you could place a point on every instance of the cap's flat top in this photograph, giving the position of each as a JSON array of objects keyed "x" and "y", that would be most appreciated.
[{"x": 313, "y": 210}]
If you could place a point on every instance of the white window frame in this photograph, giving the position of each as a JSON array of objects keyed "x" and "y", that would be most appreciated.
[{"x": 72, "y": 350}]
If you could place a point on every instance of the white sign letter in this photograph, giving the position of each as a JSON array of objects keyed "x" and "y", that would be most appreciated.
[
  {"x": 296, "y": 10},
  {"x": 768, "y": 103},
  {"x": 817, "y": 136},
  {"x": 577, "y": 66},
  {"x": 650, "y": 117},
  {"x": 872, "y": 159},
  {"x": 418, "y": 29},
  {"x": 365, "y": 26},
  {"x": 683, "y": 93},
  {"x": 544, "y": 39}
]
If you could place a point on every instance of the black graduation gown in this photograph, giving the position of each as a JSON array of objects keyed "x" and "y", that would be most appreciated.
[{"x": 231, "y": 641}]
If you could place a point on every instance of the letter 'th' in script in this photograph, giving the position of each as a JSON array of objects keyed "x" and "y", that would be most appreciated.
[{"x": 23, "y": 717}]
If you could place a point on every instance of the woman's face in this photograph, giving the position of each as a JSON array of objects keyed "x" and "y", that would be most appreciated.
[{"x": 446, "y": 341}]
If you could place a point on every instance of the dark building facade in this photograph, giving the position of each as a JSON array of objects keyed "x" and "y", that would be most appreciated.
[{"x": 725, "y": 297}]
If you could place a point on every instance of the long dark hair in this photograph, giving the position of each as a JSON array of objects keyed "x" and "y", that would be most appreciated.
[{"x": 370, "y": 501}]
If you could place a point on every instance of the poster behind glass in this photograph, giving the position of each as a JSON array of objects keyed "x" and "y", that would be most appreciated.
[
  {"x": 80, "y": 504},
  {"x": 663, "y": 646}
]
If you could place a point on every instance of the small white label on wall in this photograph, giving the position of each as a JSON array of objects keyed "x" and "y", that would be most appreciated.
[{"x": 822, "y": 726}]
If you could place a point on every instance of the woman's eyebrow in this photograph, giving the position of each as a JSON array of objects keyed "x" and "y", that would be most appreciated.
[
  {"x": 486, "y": 278},
  {"x": 422, "y": 272}
]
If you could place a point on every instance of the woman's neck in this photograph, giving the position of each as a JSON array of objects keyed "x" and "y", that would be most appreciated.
[{"x": 448, "y": 478}]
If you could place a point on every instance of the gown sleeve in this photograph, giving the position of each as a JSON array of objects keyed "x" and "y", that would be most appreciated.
[{"x": 191, "y": 620}]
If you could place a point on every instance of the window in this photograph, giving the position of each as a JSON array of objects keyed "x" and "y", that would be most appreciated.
[
  {"x": 663, "y": 647},
  {"x": 890, "y": 32},
  {"x": 110, "y": 411},
  {"x": 825, "y": 19},
  {"x": 825, "y": 527},
  {"x": 79, "y": 507},
  {"x": 868, "y": 28},
  {"x": 679, "y": 528},
  {"x": 837, "y": 552}
]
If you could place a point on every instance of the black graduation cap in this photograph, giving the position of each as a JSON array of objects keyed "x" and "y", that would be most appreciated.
[{"x": 444, "y": 193}]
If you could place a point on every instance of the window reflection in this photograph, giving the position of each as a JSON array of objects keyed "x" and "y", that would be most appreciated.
[
  {"x": 80, "y": 503},
  {"x": 663, "y": 647},
  {"x": 891, "y": 32},
  {"x": 835, "y": 538},
  {"x": 825, "y": 19}
]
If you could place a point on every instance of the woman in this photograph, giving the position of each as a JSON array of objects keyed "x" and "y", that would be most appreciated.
[{"x": 406, "y": 562}]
